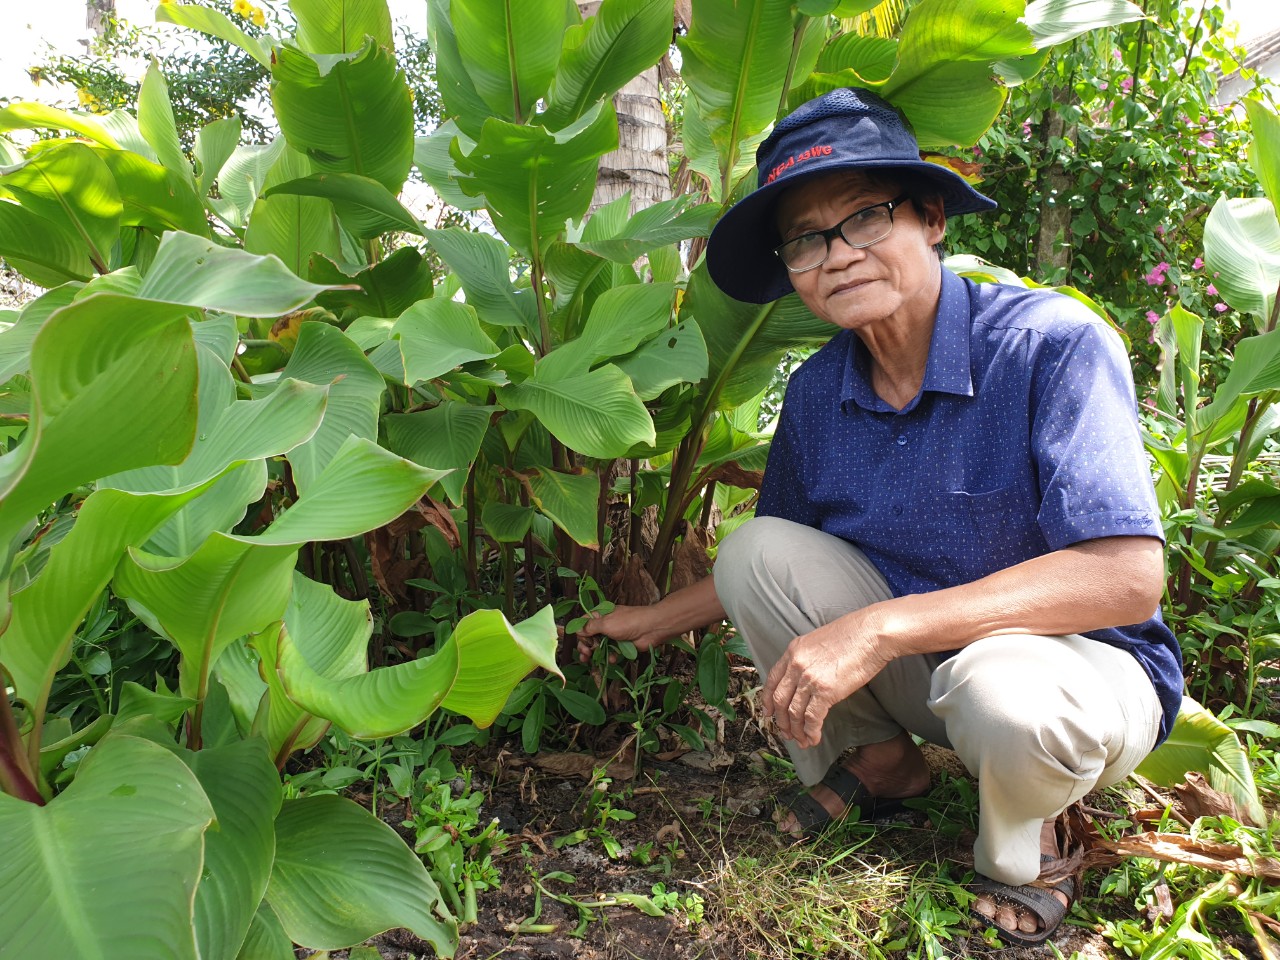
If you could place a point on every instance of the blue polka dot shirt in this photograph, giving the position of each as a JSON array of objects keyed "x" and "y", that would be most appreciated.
[{"x": 1022, "y": 440}]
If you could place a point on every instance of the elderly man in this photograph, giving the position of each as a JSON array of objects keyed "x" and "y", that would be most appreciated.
[{"x": 956, "y": 537}]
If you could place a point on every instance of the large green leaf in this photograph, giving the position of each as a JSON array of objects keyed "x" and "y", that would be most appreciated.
[
  {"x": 623, "y": 39},
  {"x": 446, "y": 437},
  {"x": 386, "y": 289},
  {"x": 484, "y": 269},
  {"x": 365, "y": 207},
  {"x": 620, "y": 320},
  {"x": 1242, "y": 250},
  {"x": 15, "y": 343},
  {"x": 570, "y": 500},
  {"x": 1264, "y": 148},
  {"x": 109, "y": 868},
  {"x": 463, "y": 104},
  {"x": 152, "y": 196},
  {"x": 347, "y": 114},
  {"x": 70, "y": 186},
  {"x": 266, "y": 939},
  {"x": 215, "y": 23},
  {"x": 41, "y": 250},
  {"x": 596, "y": 413},
  {"x": 232, "y": 585},
  {"x": 1201, "y": 742},
  {"x": 850, "y": 60},
  {"x": 534, "y": 181},
  {"x": 288, "y": 226},
  {"x": 1254, "y": 369},
  {"x": 228, "y": 431},
  {"x": 432, "y": 158},
  {"x": 47, "y": 612},
  {"x": 745, "y": 342},
  {"x": 506, "y": 522},
  {"x": 437, "y": 335},
  {"x": 509, "y": 50},
  {"x": 199, "y": 273},
  {"x": 40, "y": 116},
  {"x": 326, "y": 356},
  {"x": 473, "y": 673},
  {"x": 342, "y": 876},
  {"x": 1052, "y": 22},
  {"x": 88, "y": 370},
  {"x": 735, "y": 62},
  {"x": 215, "y": 143},
  {"x": 944, "y": 82},
  {"x": 340, "y": 26},
  {"x": 677, "y": 356},
  {"x": 333, "y": 635},
  {"x": 156, "y": 123},
  {"x": 657, "y": 226},
  {"x": 244, "y": 788},
  {"x": 242, "y": 177}
]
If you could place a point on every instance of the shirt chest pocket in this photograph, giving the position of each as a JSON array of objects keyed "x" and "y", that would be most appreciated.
[{"x": 1000, "y": 523}]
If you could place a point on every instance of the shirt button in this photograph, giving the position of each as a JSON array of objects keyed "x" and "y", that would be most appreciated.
[
  {"x": 902, "y": 440},
  {"x": 897, "y": 509}
]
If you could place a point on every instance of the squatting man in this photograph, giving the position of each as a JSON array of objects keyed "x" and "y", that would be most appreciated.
[{"x": 956, "y": 535}]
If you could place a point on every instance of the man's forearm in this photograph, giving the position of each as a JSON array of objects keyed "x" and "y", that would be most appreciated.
[
  {"x": 689, "y": 608},
  {"x": 1088, "y": 586}
]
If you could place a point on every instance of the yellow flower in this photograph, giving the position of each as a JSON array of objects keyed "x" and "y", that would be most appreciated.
[
  {"x": 242, "y": 8},
  {"x": 258, "y": 17}
]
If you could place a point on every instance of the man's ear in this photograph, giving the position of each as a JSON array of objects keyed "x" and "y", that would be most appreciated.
[{"x": 935, "y": 220}]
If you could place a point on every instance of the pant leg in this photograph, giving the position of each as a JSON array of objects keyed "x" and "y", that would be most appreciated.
[
  {"x": 778, "y": 580},
  {"x": 1040, "y": 721}
]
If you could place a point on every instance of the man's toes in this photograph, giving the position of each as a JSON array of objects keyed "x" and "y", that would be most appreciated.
[
  {"x": 1006, "y": 918},
  {"x": 985, "y": 907},
  {"x": 1027, "y": 923}
]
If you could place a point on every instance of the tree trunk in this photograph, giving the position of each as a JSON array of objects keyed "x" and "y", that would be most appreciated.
[
  {"x": 1053, "y": 242},
  {"x": 98, "y": 15},
  {"x": 640, "y": 162}
]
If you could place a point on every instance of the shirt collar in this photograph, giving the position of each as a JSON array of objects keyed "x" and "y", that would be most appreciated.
[{"x": 947, "y": 369}]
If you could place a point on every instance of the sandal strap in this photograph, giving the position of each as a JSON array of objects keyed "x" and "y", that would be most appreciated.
[{"x": 847, "y": 786}]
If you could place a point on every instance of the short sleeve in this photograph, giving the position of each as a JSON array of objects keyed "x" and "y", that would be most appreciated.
[
  {"x": 783, "y": 491},
  {"x": 1093, "y": 472}
]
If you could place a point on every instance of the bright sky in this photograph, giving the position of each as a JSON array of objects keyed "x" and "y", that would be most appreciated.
[{"x": 31, "y": 24}]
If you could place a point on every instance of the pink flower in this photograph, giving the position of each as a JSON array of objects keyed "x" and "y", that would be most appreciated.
[
  {"x": 1026, "y": 128},
  {"x": 1152, "y": 317},
  {"x": 1197, "y": 263},
  {"x": 1156, "y": 276},
  {"x": 1206, "y": 138},
  {"x": 1127, "y": 84},
  {"x": 1119, "y": 57},
  {"x": 1104, "y": 85},
  {"x": 1221, "y": 307},
  {"x": 1211, "y": 291},
  {"x": 1160, "y": 233}
]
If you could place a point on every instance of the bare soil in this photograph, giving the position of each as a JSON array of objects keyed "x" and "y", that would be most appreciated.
[{"x": 716, "y": 805}]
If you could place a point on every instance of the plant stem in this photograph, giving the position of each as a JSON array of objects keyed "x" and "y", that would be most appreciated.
[
  {"x": 708, "y": 501},
  {"x": 17, "y": 778},
  {"x": 530, "y": 569},
  {"x": 471, "y": 527},
  {"x": 796, "y": 40}
]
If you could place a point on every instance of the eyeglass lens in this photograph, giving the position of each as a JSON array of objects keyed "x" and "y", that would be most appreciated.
[{"x": 861, "y": 229}]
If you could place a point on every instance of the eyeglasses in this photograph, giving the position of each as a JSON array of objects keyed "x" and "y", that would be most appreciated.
[{"x": 862, "y": 228}]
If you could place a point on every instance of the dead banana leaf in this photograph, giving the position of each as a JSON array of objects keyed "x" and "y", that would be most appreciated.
[
  {"x": 1179, "y": 848},
  {"x": 1198, "y": 800}
]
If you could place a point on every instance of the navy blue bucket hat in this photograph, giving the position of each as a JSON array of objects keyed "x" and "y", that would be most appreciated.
[{"x": 846, "y": 129}]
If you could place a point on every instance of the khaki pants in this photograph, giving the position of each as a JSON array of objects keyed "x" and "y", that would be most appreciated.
[{"x": 1039, "y": 720}]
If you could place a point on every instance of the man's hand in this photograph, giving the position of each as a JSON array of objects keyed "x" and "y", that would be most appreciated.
[
  {"x": 638, "y": 625},
  {"x": 817, "y": 671}
]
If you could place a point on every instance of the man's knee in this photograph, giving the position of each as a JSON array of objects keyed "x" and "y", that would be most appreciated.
[
  {"x": 751, "y": 553},
  {"x": 997, "y": 697}
]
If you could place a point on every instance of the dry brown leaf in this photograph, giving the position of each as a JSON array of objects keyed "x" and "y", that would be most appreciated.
[
  {"x": 585, "y": 765},
  {"x": 689, "y": 560},
  {"x": 735, "y": 476},
  {"x": 717, "y": 758},
  {"x": 1198, "y": 799},
  {"x": 632, "y": 586},
  {"x": 1206, "y": 854}
]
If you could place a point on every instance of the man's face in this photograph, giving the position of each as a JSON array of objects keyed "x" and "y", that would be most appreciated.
[{"x": 893, "y": 281}]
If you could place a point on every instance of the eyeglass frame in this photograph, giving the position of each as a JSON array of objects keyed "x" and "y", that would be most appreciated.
[{"x": 837, "y": 231}]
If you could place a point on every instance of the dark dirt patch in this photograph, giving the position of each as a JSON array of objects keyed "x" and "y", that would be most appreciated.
[{"x": 719, "y": 817}]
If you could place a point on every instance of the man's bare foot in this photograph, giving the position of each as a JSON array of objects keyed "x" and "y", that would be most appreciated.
[
  {"x": 1010, "y": 917},
  {"x": 893, "y": 769}
]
